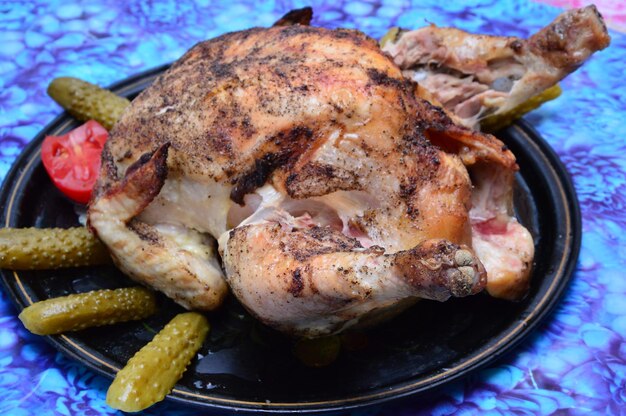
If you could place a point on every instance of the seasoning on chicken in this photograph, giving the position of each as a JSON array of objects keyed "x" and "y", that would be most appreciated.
[
  {"x": 478, "y": 77},
  {"x": 305, "y": 152}
]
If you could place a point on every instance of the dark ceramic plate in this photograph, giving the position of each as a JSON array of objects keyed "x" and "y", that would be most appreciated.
[{"x": 246, "y": 366}]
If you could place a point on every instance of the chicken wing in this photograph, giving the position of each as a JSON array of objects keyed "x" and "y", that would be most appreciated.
[{"x": 476, "y": 76}]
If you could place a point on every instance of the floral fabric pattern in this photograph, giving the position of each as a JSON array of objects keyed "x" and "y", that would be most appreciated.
[{"x": 575, "y": 363}]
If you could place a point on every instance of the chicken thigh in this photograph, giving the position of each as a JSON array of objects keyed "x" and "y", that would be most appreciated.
[{"x": 306, "y": 155}]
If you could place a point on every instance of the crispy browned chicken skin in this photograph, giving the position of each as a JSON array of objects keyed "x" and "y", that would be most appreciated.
[{"x": 306, "y": 154}]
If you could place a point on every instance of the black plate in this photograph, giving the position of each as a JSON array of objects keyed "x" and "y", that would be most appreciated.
[{"x": 249, "y": 367}]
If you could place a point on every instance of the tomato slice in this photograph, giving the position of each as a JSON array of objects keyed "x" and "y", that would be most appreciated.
[{"x": 73, "y": 160}]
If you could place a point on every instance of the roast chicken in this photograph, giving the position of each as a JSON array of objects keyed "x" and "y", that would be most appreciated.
[{"x": 299, "y": 167}]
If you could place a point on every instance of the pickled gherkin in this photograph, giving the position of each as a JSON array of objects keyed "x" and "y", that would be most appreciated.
[
  {"x": 50, "y": 248},
  {"x": 85, "y": 310},
  {"x": 87, "y": 101},
  {"x": 154, "y": 370},
  {"x": 392, "y": 35},
  {"x": 317, "y": 352},
  {"x": 497, "y": 121}
]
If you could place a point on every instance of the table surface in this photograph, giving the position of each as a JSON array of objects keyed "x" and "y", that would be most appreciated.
[{"x": 576, "y": 361}]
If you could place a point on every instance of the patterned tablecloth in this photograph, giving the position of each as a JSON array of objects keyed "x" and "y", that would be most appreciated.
[{"x": 575, "y": 362}]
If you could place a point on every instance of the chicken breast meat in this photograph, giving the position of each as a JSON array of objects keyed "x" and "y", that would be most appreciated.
[{"x": 306, "y": 160}]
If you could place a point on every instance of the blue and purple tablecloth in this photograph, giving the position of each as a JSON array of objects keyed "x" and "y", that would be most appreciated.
[{"x": 575, "y": 363}]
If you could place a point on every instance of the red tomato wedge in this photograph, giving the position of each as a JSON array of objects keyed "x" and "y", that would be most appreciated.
[{"x": 73, "y": 160}]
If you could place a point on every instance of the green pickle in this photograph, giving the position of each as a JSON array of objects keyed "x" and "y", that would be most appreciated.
[
  {"x": 87, "y": 101},
  {"x": 85, "y": 310},
  {"x": 497, "y": 121},
  {"x": 154, "y": 370},
  {"x": 50, "y": 248},
  {"x": 391, "y": 36},
  {"x": 317, "y": 352}
]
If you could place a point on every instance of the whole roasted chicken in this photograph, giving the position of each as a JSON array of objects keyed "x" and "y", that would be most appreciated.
[{"x": 304, "y": 157}]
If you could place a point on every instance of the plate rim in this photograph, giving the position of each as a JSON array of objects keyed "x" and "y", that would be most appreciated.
[{"x": 507, "y": 342}]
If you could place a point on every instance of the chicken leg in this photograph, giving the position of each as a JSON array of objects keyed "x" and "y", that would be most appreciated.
[{"x": 316, "y": 281}]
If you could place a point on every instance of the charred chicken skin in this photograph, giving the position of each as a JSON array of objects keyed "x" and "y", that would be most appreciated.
[{"x": 331, "y": 191}]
